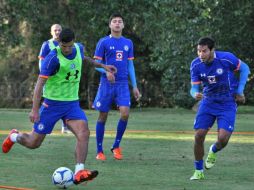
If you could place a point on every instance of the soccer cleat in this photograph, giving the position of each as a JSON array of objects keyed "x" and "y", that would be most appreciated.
[
  {"x": 85, "y": 175},
  {"x": 101, "y": 156},
  {"x": 198, "y": 175},
  {"x": 7, "y": 144},
  {"x": 210, "y": 160},
  {"x": 117, "y": 153}
]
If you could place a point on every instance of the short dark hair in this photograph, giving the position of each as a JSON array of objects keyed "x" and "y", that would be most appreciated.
[
  {"x": 207, "y": 41},
  {"x": 114, "y": 15},
  {"x": 66, "y": 35}
]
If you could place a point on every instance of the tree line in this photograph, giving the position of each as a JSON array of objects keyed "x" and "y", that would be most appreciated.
[{"x": 164, "y": 33}]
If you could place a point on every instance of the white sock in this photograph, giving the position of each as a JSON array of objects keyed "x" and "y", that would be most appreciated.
[
  {"x": 78, "y": 167},
  {"x": 13, "y": 137}
]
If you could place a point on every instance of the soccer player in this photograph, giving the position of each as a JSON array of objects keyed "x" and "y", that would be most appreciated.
[
  {"x": 48, "y": 46},
  {"x": 118, "y": 51},
  {"x": 215, "y": 70},
  {"x": 59, "y": 78}
]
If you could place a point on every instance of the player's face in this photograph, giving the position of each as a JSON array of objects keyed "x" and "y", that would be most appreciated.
[
  {"x": 66, "y": 48},
  {"x": 116, "y": 25},
  {"x": 205, "y": 54},
  {"x": 55, "y": 31}
]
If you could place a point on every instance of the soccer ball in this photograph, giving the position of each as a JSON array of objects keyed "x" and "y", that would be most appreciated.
[{"x": 62, "y": 177}]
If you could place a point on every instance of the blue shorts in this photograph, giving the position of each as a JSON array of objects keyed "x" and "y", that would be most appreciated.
[
  {"x": 52, "y": 111},
  {"x": 208, "y": 112},
  {"x": 108, "y": 93}
]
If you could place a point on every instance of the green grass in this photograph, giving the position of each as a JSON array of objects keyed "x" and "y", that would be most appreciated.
[{"x": 161, "y": 159}]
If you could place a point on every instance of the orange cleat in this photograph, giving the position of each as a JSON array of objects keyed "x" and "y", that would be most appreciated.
[
  {"x": 7, "y": 144},
  {"x": 101, "y": 156},
  {"x": 117, "y": 153},
  {"x": 85, "y": 175}
]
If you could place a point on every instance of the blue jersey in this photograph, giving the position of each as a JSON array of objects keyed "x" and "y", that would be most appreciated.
[
  {"x": 45, "y": 49},
  {"x": 217, "y": 77},
  {"x": 51, "y": 63},
  {"x": 117, "y": 52}
]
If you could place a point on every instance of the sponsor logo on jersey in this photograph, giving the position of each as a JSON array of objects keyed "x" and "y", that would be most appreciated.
[
  {"x": 203, "y": 75},
  {"x": 211, "y": 79},
  {"x": 111, "y": 47},
  {"x": 219, "y": 71},
  {"x": 119, "y": 55}
]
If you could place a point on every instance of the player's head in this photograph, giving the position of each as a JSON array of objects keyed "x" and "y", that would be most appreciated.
[
  {"x": 55, "y": 31},
  {"x": 116, "y": 23},
  {"x": 205, "y": 49},
  {"x": 66, "y": 41}
]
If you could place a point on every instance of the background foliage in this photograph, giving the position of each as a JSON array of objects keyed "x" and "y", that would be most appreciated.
[{"x": 164, "y": 33}]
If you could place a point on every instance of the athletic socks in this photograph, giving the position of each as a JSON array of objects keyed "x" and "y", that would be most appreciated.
[
  {"x": 120, "y": 131},
  {"x": 100, "y": 128}
]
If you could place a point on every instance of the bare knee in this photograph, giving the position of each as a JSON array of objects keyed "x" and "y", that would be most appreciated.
[
  {"x": 103, "y": 117},
  {"x": 200, "y": 136},
  {"x": 83, "y": 134}
]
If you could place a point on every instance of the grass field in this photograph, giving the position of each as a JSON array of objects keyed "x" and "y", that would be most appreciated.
[{"x": 157, "y": 148}]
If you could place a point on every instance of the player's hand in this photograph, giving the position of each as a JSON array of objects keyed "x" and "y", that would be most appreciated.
[
  {"x": 110, "y": 77},
  {"x": 136, "y": 94},
  {"x": 198, "y": 96},
  {"x": 240, "y": 98},
  {"x": 34, "y": 116},
  {"x": 110, "y": 68}
]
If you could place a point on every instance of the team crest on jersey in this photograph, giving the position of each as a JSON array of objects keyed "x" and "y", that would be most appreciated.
[
  {"x": 219, "y": 71},
  {"x": 72, "y": 66},
  {"x": 211, "y": 79},
  {"x": 119, "y": 55},
  {"x": 126, "y": 48},
  {"x": 40, "y": 126}
]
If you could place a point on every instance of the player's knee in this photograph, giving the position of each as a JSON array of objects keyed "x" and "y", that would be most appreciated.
[
  {"x": 125, "y": 116},
  {"x": 200, "y": 137},
  {"x": 103, "y": 117},
  {"x": 83, "y": 134}
]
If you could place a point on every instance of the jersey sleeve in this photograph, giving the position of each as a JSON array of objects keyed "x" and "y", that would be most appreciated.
[
  {"x": 99, "y": 51},
  {"x": 50, "y": 65},
  {"x": 131, "y": 51},
  {"x": 234, "y": 62},
  {"x": 44, "y": 50},
  {"x": 195, "y": 77}
]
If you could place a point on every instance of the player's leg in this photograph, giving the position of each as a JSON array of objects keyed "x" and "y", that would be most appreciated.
[
  {"x": 121, "y": 127},
  {"x": 100, "y": 129},
  {"x": 225, "y": 122},
  {"x": 123, "y": 101},
  {"x": 102, "y": 103},
  {"x": 32, "y": 140},
  {"x": 77, "y": 122},
  {"x": 203, "y": 121}
]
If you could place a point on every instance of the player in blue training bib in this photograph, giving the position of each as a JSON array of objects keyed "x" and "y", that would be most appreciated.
[
  {"x": 118, "y": 51},
  {"x": 215, "y": 71}
]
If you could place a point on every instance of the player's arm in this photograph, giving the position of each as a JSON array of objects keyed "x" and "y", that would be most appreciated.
[
  {"x": 109, "y": 68},
  {"x": 132, "y": 75},
  {"x": 195, "y": 91},
  {"x": 244, "y": 72},
  {"x": 34, "y": 114},
  {"x": 110, "y": 75}
]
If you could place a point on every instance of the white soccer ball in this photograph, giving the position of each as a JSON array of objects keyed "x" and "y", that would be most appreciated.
[{"x": 62, "y": 177}]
